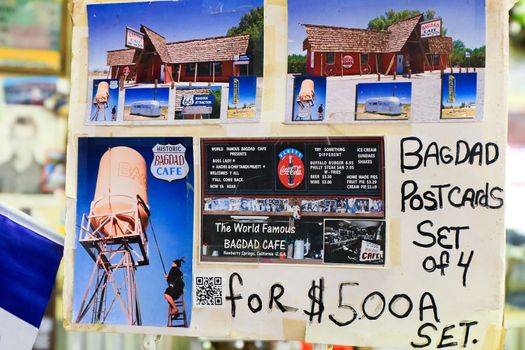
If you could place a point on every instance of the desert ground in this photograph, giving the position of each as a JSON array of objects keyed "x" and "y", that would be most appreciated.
[
  {"x": 242, "y": 113},
  {"x": 362, "y": 115},
  {"x": 458, "y": 113}
]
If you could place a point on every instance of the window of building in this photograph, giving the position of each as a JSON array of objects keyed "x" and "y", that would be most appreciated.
[
  {"x": 364, "y": 58},
  {"x": 434, "y": 60},
  {"x": 218, "y": 68},
  {"x": 330, "y": 58},
  {"x": 204, "y": 69},
  {"x": 190, "y": 68}
]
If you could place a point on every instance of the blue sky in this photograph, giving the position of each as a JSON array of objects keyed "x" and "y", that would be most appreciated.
[
  {"x": 320, "y": 93},
  {"x": 171, "y": 206},
  {"x": 464, "y": 19},
  {"x": 247, "y": 91},
  {"x": 175, "y": 20},
  {"x": 113, "y": 96},
  {"x": 368, "y": 90},
  {"x": 147, "y": 94},
  {"x": 466, "y": 85}
]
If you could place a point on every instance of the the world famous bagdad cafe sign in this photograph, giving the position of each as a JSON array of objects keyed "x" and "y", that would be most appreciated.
[
  {"x": 169, "y": 162},
  {"x": 291, "y": 168}
]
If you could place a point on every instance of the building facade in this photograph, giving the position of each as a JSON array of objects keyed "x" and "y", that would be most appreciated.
[
  {"x": 202, "y": 60},
  {"x": 333, "y": 51}
]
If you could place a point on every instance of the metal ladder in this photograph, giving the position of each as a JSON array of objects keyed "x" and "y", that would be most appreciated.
[{"x": 179, "y": 319}]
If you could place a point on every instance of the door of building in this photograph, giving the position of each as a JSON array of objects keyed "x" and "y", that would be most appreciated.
[{"x": 400, "y": 62}]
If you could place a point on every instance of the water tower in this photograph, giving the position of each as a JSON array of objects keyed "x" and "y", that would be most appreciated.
[
  {"x": 101, "y": 101},
  {"x": 114, "y": 235}
]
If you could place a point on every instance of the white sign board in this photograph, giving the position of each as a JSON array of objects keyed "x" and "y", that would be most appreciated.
[
  {"x": 431, "y": 29},
  {"x": 134, "y": 39}
]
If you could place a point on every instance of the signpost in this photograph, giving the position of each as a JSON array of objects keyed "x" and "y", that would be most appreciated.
[{"x": 197, "y": 104}]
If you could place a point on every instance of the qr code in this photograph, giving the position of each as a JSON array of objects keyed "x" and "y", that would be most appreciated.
[{"x": 208, "y": 291}]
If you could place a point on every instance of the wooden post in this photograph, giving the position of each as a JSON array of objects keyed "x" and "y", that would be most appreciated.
[
  {"x": 395, "y": 75},
  {"x": 377, "y": 64},
  {"x": 460, "y": 69},
  {"x": 409, "y": 73},
  {"x": 179, "y": 72},
  {"x": 342, "y": 73},
  {"x": 213, "y": 70},
  {"x": 322, "y": 64},
  {"x": 121, "y": 83},
  {"x": 196, "y": 69},
  {"x": 360, "y": 67},
  {"x": 391, "y": 64}
]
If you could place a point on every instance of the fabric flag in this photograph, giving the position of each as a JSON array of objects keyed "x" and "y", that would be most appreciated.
[{"x": 29, "y": 259}]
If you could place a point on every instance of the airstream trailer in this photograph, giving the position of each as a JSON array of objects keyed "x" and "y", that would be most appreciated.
[
  {"x": 384, "y": 105},
  {"x": 146, "y": 108}
]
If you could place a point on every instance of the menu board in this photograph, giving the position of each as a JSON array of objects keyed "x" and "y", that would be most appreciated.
[{"x": 293, "y": 201}]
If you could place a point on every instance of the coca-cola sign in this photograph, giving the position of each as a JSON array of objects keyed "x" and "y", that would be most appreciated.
[{"x": 290, "y": 168}]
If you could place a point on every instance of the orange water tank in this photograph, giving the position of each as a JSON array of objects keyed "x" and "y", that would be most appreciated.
[
  {"x": 122, "y": 176},
  {"x": 102, "y": 94},
  {"x": 307, "y": 91}
]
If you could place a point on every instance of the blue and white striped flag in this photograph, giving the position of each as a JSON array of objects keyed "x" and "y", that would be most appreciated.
[{"x": 29, "y": 260}]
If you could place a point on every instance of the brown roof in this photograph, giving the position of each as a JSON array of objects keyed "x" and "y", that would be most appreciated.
[
  {"x": 338, "y": 39},
  {"x": 222, "y": 48},
  {"x": 208, "y": 50},
  {"x": 158, "y": 42},
  {"x": 121, "y": 57},
  {"x": 400, "y": 32},
  {"x": 440, "y": 45}
]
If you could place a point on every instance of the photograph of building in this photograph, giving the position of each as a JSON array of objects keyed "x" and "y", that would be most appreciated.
[
  {"x": 166, "y": 42},
  {"x": 201, "y": 60},
  {"x": 353, "y": 42},
  {"x": 342, "y": 51}
]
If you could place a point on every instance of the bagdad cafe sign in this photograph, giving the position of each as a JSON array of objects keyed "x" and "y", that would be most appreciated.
[
  {"x": 431, "y": 28},
  {"x": 169, "y": 162},
  {"x": 134, "y": 39}
]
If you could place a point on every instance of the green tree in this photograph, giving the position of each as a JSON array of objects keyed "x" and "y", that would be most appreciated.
[
  {"x": 391, "y": 17},
  {"x": 297, "y": 64},
  {"x": 216, "y": 111},
  {"x": 252, "y": 23}
]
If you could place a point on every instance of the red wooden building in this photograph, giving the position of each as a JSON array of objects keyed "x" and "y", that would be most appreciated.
[
  {"x": 202, "y": 60},
  {"x": 341, "y": 51}
]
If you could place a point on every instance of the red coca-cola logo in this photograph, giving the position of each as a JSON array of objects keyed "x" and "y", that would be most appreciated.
[{"x": 290, "y": 169}]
